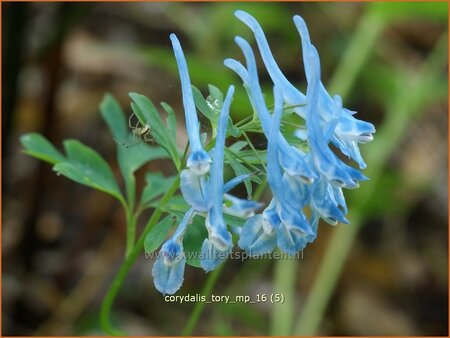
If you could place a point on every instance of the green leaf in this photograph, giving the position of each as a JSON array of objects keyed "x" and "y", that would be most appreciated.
[
  {"x": 156, "y": 185},
  {"x": 171, "y": 121},
  {"x": 210, "y": 108},
  {"x": 157, "y": 234},
  {"x": 129, "y": 158},
  {"x": 176, "y": 204},
  {"x": 38, "y": 146},
  {"x": 114, "y": 117},
  {"x": 240, "y": 169},
  {"x": 85, "y": 166},
  {"x": 205, "y": 109},
  {"x": 238, "y": 146},
  {"x": 147, "y": 113},
  {"x": 234, "y": 220},
  {"x": 216, "y": 94},
  {"x": 193, "y": 241}
]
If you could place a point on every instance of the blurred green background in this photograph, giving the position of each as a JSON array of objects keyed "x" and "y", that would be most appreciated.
[{"x": 384, "y": 274}]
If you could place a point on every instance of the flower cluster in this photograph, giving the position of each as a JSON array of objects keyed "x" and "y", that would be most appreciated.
[{"x": 306, "y": 186}]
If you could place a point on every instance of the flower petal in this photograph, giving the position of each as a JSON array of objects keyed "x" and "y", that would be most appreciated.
[
  {"x": 168, "y": 270},
  {"x": 290, "y": 93},
  {"x": 194, "y": 190},
  {"x": 199, "y": 162},
  {"x": 292, "y": 160},
  {"x": 255, "y": 238},
  {"x": 199, "y": 159},
  {"x": 291, "y": 240},
  {"x": 240, "y": 207},
  {"x": 212, "y": 257}
]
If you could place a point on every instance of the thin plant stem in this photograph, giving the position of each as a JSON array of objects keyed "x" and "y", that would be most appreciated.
[
  {"x": 254, "y": 150},
  {"x": 243, "y": 121},
  {"x": 198, "y": 308},
  {"x": 105, "y": 311},
  {"x": 131, "y": 232},
  {"x": 211, "y": 281}
]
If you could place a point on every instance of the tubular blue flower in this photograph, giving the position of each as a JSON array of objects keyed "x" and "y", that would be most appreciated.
[
  {"x": 336, "y": 171},
  {"x": 294, "y": 231},
  {"x": 195, "y": 190},
  {"x": 259, "y": 236},
  {"x": 168, "y": 270},
  {"x": 198, "y": 161},
  {"x": 348, "y": 131},
  {"x": 196, "y": 193},
  {"x": 291, "y": 158},
  {"x": 219, "y": 239},
  {"x": 282, "y": 222},
  {"x": 302, "y": 183},
  {"x": 290, "y": 93}
]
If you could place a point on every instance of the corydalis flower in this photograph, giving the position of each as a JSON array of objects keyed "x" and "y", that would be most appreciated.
[
  {"x": 326, "y": 121},
  {"x": 282, "y": 223},
  {"x": 306, "y": 184},
  {"x": 168, "y": 270},
  {"x": 348, "y": 131},
  {"x": 204, "y": 195},
  {"x": 291, "y": 158},
  {"x": 219, "y": 239},
  {"x": 198, "y": 161}
]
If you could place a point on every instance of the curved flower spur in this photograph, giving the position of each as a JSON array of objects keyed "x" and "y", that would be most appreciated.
[
  {"x": 204, "y": 195},
  {"x": 348, "y": 131},
  {"x": 198, "y": 160}
]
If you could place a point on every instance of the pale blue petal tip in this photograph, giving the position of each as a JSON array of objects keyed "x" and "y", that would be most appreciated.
[
  {"x": 199, "y": 162},
  {"x": 211, "y": 257},
  {"x": 193, "y": 188},
  {"x": 291, "y": 240},
  {"x": 240, "y": 207},
  {"x": 168, "y": 270}
]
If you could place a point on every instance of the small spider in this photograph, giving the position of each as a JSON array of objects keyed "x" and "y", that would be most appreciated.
[{"x": 139, "y": 133}]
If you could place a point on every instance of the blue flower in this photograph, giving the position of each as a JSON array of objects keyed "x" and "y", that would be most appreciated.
[
  {"x": 302, "y": 183},
  {"x": 292, "y": 159},
  {"x": 327, "y": 121},
  {"x": 198, "y": 161},
  {"x": 168, "y": 270},
  {"x": 294, "y": 231},
  {"x": 219, "y": 238},
  {"x": 282, "y": 223},
  {"x": 203, "y": 194},
  {"x": 348, "y": 131},
  {"x": 239, "y": 207}
]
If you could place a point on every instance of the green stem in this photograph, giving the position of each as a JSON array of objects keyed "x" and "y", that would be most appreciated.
[
  {"x": 198, "y": 308},
  {"x": 131, "y": 232},
  {"x": 254, "y": 150},
  {"x": 212, "y": 279},
  {"x": 105, "y": 312},
  {"x": 243, "y": 121}
]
